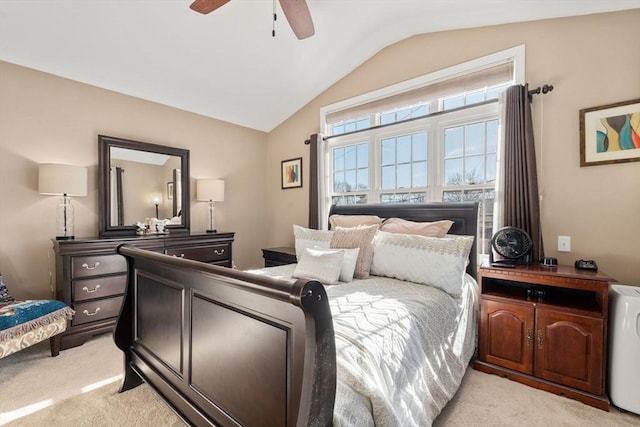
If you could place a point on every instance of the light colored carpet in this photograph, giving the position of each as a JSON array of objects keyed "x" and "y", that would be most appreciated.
[{"x": 79, "y": 388}]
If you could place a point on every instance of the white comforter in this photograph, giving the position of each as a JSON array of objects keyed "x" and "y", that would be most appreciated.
[{"x": 402, "y": 349}]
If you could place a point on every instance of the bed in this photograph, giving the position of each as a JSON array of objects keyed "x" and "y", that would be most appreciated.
[{"x": 260, "y": 348}]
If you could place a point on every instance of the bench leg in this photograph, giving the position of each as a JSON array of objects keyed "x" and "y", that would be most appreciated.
[{"x": 54, "y": 344}]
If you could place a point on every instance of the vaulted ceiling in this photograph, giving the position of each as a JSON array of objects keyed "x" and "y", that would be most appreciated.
[{"x": 226, "y": 64}]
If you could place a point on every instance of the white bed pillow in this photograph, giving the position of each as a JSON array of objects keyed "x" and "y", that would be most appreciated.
[
  {"x": 309, "y": 238},
  {"x": 435, "y": 261},
  {"x": 323, "y": 265}
]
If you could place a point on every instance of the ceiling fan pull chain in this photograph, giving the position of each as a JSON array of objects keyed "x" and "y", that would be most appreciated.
[{"x": 275, "y": 18}]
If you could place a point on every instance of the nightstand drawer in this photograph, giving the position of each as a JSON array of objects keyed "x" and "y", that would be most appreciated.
[
  {"x": 99, "y": 287},
  {"x": 96, "y": 310},
  {"x": 204, "y": 254},
  {"x": 85, "y": 266}
]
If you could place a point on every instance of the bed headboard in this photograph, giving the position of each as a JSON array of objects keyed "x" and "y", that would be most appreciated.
[{"x": 463, "y": 214}]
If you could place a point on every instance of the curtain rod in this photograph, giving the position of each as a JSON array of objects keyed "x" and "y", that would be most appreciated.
[
  {"x": 544, "y": 89},
  {"x": 435, "y": 113}
]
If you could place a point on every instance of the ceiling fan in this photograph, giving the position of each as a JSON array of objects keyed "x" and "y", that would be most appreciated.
[{"x": 296, "y": 12}]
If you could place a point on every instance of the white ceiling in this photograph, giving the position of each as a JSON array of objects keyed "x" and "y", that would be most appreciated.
[{"x": 226, "y": 64}]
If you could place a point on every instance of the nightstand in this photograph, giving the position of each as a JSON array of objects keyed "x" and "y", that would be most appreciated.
[
  {"x": 547, "y": 328},
  {"x": 279, "y": 256}
]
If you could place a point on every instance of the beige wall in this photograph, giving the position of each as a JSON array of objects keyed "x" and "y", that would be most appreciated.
[
  {"x": 47, "y": 119},
  {"x": 591, "y": 60}
]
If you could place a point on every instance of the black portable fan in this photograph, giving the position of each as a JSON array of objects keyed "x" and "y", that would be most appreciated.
[{"x": 513, "y": 245}]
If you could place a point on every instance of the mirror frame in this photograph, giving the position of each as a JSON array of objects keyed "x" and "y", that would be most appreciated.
[{"x": 105, "y": 229}]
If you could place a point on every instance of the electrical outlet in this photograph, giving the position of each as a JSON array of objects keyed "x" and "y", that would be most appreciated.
[{"x": 564, "y": 243}]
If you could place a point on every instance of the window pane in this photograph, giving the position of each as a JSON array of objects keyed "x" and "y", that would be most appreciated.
[
  {"x": 404, "y": 149},
  {"x": 419, "y": 146},
  {"x": 403, "y": 176},
  {"x": 359, "y": 199},
  {"x": 350, "y": 157},
  {"x": 363, "y": 179},
  {"x": 388, "y": 180},
  {"x": 338, "y": 181},
  {"x": 386, "y": 118},
  {"x": 350, "y": 180},
  {"x": 453, "y": 172},
  {"x": 453, "y": 139},
  {"x": 388, "y": 151},
  {"x": 491, "y": 168},
  {"x": 474, "y": 139},
  {"x": 453, "y": 102},
  {"x": 473, "y": 97},
  {"x": 492, "y": 136},
  {"x": 363, "y": 156},
  {"x": 452, "y": 196},
  {"x": 419, "y": 174},
  {"x": 364, "y": 123},
  {"x": 338, "y": 159},
  {"x": 474, "y": 169},
  {"x": 421, "y": 110}
]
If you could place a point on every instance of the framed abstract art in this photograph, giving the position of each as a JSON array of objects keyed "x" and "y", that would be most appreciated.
[
  {"x": 610, "y": 133},
  {"x": 291, "y": 173}
]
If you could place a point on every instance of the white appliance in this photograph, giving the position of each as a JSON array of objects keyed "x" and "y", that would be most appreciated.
[{"x": 624, "y": 347}]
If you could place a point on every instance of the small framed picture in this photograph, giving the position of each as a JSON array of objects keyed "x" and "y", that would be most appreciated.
[
  {"x": 610, "y": 133},
  {"x": 170, "y": 190},
  {"x": 291, "y": 173}
]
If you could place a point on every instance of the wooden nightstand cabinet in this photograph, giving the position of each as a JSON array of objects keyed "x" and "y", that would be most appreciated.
[
  {"x": 279, "y": 256},
  {"x": 547, "y": 328}
]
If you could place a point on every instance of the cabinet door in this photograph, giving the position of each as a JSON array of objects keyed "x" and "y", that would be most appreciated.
[
  {"x": 506, "y": 335},
  {"x": 569, "y": 350}
]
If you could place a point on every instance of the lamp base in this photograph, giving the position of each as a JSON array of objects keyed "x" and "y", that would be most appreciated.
[
  {"x": 65, "y": 237},
  {"x": 212, "y": 231}
]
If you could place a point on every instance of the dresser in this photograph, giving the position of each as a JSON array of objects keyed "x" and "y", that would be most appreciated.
[
  {"x": 91, "y": 277},
  {"x": 547, "y": 328}
]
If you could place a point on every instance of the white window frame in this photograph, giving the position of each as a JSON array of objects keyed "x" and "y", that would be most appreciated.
[{"x": 515, "y": 55}]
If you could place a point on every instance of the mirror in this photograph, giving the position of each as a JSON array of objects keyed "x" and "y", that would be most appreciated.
[{"x": 138, "y": 180}]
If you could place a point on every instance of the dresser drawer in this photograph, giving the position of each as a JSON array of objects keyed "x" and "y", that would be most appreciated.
[
  {"x": 85, "y": 266},
  {"x": 215, "y": 253},
  {"x": 99, "y": 287},
  {"x": 96, "y": 310}
]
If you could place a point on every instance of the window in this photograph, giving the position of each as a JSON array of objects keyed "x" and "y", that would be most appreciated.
[{"x": 433, "y": 140}]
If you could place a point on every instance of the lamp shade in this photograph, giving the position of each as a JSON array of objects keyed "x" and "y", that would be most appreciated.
[
  {"x": 210, "y": 190},
  {"x": 56, "y": 179}
]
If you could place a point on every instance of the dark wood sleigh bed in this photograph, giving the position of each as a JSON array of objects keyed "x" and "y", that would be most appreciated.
[{"x": 232, "y": 348}]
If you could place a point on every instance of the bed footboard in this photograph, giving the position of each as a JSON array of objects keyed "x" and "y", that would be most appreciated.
[{"x": 227, "y": 348}]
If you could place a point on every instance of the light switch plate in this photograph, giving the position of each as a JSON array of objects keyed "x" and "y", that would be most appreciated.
[{"x": 564, "y": 243}]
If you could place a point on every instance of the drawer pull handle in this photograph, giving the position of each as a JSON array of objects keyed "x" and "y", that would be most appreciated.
[
  {"x": 529, "y": 337},
  {"x": 218, "y": 252},
  {"x": 90, "y": 291},
  {"x": 181, "y": 255},
  {"x": 96, "y": 265},
  {"x": 86, "y": 312}
]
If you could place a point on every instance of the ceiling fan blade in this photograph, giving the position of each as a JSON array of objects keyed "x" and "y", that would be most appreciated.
[
  {"x": 297, "y": 13},
  {"x": 206, "y": 6}
]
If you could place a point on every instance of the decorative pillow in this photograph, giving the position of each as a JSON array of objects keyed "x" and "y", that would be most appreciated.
[
  {"x": 349, "y": 221},
  {"x": 356, "y": 237},
  {"x": 428, "y": 229},
  {"x": 435, "y": 261},
  {"x": 309, "y": 238},
  {"x": 322, "y": 265}
]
